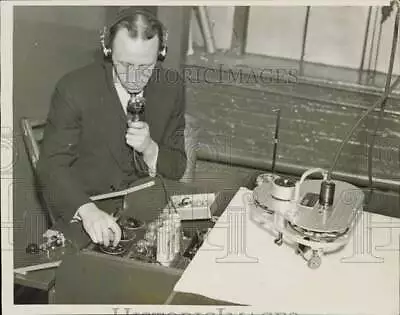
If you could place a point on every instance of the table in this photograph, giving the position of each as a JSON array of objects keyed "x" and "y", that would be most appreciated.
[{"x": 275, "y": 279}]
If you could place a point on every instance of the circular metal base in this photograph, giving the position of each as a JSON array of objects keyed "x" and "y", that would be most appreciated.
[
  {"x": 265, "y": 208},
  {"x": 314, "y": 262},
  {"x": 325, "y": 237},
  {"x": 130, "y": 223},
  {"x": 111, "y": 250}
]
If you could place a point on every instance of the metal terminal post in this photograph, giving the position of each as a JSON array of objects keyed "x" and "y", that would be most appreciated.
[
  {"x": 276, "y": 138},
  {"x": 279, "y": 240},
  {"x": 315, "y": 260}
]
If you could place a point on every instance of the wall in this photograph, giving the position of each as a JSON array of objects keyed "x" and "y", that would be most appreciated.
[
  {"x": 275, "y": 31},
  {"x": 239, "y": 121},
  {"x": 48, "y": 42},
  {"x": 385, "y": 47},
  {"x": 335, "y": 34},
  {"x": 84, "y": 17},
  {"x": 176, "y": 20}
]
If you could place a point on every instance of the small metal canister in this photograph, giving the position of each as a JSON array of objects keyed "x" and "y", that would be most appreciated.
[
  {"x": 164, "y": 244},
  {"x": 176, "y": 222}
]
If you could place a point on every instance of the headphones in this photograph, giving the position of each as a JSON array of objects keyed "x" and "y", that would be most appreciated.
[{"x": 125, "y": 13}]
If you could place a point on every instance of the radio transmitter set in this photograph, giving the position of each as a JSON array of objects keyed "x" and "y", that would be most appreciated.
[
  {"x": 317, "y": 216},
  {"x": 161, "y": 241}
]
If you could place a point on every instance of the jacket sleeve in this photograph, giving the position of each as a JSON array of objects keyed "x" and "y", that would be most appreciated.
[
  {"x": 172, "y": 159},
  {"x": 61, "y": 191}
]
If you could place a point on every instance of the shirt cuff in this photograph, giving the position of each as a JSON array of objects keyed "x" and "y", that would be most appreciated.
[
  {"x": 77, "y": 218},
  {"x": 150, "y": 158}
]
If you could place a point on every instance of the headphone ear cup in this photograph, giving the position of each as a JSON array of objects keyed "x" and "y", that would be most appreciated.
[
  {"x": 162, "y": 54},
  {"x": 107, "y": 52},
  {"x": 104, "y": 42}
]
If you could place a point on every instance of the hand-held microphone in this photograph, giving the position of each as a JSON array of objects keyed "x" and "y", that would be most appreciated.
[{"x": 135, "y": 107}]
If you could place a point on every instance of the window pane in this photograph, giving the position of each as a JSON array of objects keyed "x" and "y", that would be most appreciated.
[
  {"x": 336, "y": 35},
  {"x": 276, "y": 31}
]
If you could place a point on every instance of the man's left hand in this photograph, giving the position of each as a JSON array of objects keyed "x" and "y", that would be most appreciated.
[{"x": 138, "y": 136}]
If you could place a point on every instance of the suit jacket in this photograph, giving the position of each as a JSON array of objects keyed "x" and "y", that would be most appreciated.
[{"x": 84, "y": 150}]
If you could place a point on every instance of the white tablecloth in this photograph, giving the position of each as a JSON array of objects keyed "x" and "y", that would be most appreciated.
[{"x": 362, "y": 278}]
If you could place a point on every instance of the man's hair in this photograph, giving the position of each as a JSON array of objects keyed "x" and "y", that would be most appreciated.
[{"x": 139, "y": 25}]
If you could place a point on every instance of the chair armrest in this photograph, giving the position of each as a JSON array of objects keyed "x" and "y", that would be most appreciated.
[{"x": 30, "y": 142}]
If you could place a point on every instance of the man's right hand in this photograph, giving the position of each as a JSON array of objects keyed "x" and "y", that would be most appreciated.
[{"x": 100, "y": 226}]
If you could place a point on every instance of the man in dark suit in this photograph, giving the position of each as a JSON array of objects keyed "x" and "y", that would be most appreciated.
[{"x": 91, "y": 147}]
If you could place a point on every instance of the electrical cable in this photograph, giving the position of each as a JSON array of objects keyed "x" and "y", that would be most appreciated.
[
  {"x": 376, "y": 104},
  {"x": 142, "y": 169},
  {"x": 387, "y": 86},
  {"x": 380, "y": 102}
]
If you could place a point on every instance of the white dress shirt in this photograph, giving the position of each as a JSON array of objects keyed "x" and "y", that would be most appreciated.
[
  {"x": 151, "y": 161},
  {"x": 124, "y": 97}
]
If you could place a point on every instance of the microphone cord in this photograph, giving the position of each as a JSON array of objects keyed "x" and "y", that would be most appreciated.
[
  {"x": 143, "y": 170},
  {"x": 383, "y": 104}
]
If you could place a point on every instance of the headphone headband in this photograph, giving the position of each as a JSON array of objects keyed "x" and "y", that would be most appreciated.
[{"x": 123, "y": 14}]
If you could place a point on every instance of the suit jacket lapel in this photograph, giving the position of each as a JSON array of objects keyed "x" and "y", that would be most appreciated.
[
  {"x": 152, "y": 94},
  {"x": 114, "y": 118}
]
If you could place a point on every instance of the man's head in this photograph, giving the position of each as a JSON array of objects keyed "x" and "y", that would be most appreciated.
[{"x": 135, "y": 42}]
